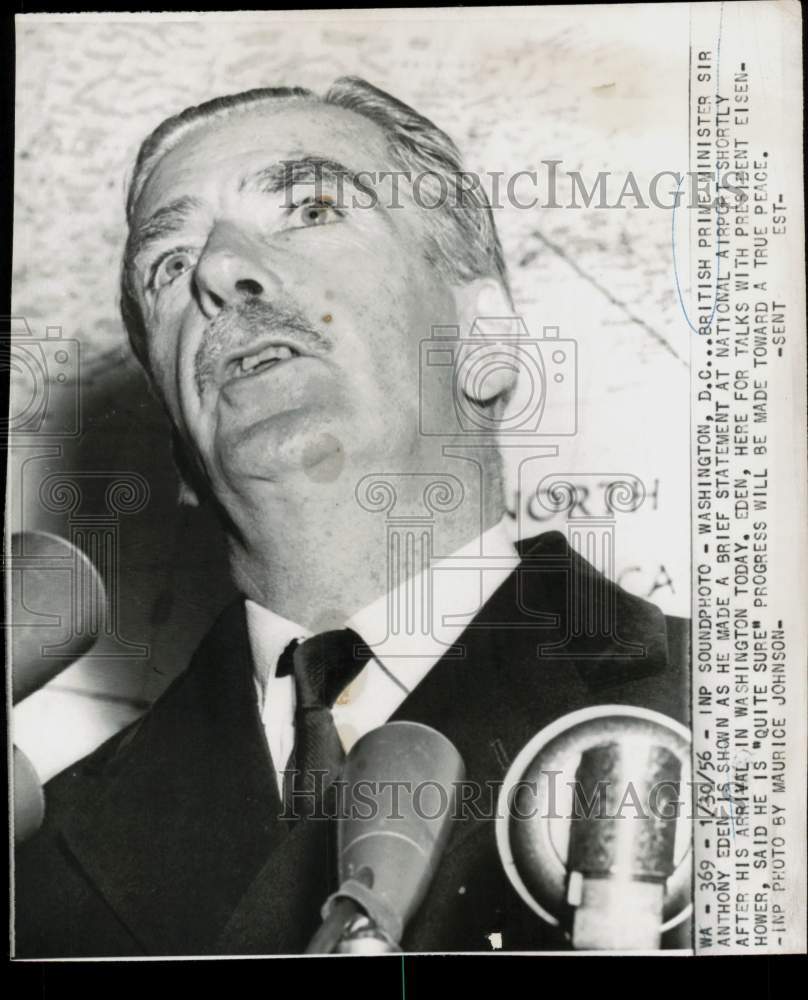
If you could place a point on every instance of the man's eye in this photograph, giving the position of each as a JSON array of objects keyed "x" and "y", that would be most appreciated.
[
  {"x": 170, "y": 266},
  {"x": 315, "y": 212}
]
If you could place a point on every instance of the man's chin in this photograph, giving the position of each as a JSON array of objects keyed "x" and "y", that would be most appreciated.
[{"x": 283, "y": 446}]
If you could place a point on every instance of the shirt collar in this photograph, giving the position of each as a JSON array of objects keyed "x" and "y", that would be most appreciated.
[
  {"x": 417, "y": 619},
  {"x": 270, "y": 634},
  {"x": 420, "y": 617}
]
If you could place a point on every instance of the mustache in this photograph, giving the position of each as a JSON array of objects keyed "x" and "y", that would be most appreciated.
[{"x": 238, "y": 326}]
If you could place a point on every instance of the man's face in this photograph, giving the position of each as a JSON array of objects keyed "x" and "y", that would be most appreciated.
[{"x": 284, "y": 330}]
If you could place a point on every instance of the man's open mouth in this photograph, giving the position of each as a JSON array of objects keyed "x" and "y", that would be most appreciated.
[{"x": 260, "y": 361}]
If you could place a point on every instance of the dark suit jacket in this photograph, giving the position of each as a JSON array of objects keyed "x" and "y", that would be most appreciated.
[{"x": 167, "y": 840}]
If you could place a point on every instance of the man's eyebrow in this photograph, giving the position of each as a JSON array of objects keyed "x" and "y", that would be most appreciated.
[
  {"x": 280, "y": 176},
  {"x": 164, "y": 222}
]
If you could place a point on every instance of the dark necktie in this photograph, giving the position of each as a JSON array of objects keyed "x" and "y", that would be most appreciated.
[{"x": 322, "y": 666}]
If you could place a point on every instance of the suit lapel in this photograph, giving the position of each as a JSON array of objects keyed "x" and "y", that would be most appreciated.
[
  {"x": 190, "y": 785},
  {"x": 280, "y": 911},
  {"x": 525, "y": 661}
]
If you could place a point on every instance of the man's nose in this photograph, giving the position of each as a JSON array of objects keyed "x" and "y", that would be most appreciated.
[{"x": 231, "y": 269}]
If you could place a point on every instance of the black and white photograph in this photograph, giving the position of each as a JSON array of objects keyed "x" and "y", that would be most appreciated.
[{"x": 405, "y": 536}]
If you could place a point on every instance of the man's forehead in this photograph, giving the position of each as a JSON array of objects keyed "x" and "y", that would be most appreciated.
[{"x": 278, "y": 130}]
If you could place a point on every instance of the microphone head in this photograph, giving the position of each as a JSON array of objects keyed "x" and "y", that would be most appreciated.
[
  {"x": 29, "y": 799},
  {"x": 595, "y": 801},
  {"x": 56, "y": 610},
  {"x": 57, "y": 602},
  {"x": 398, "y": 797}
]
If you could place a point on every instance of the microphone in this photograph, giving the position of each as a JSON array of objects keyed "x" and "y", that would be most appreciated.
[
  {"x": 54, "y": 590},
  {"x": 589, "y": 828},
  {"x": 29, "y": 799},
  {"x": 398, "y": 795},
  {"x": 50, "y": 577}
]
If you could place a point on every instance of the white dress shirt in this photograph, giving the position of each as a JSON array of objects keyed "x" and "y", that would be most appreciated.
[{"x": 408, "y": 630}]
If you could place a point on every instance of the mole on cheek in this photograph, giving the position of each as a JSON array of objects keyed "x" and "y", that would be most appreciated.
[{"x": 327, "y": 318}]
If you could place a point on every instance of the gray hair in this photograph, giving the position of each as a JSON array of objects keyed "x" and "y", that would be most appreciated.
[{"x": 462, "y": 238}]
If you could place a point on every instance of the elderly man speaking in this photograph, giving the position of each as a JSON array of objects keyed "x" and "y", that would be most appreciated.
[{"x": 288, "y": 255}]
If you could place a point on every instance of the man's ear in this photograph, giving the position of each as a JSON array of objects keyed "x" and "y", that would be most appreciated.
[{"x": 487, "y": 374}]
